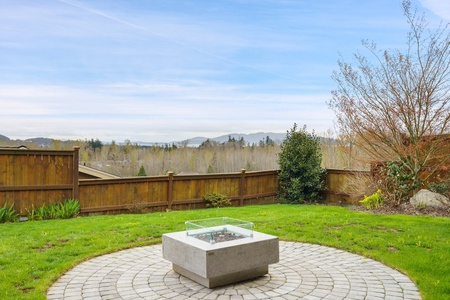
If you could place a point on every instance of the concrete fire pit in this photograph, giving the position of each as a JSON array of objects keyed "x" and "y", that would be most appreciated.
[{"x": 220, "y": 251}]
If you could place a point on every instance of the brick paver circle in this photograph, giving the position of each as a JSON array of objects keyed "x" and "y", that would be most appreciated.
[{"x": 305, "y": 271}]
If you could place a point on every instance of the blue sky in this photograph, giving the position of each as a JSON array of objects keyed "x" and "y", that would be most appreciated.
[{"x": 166, "y": 70}]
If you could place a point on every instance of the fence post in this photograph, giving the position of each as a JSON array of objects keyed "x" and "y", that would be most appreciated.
[
  {"x": 242, "y": 188},
  {"x": 170, "y": 190},
  {"x": 76, "y": 159}
]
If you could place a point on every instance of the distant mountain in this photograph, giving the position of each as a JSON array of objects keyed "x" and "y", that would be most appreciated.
[
  {"x": 252, "y": 138},
  {"x": 4, "y": 138},
  {"x": 43, "y": 142}
]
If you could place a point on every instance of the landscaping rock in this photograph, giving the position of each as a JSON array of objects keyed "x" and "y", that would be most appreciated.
[{"x": 430, "y": 199}]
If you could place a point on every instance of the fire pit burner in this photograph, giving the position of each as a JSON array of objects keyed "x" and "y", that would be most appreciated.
[
  {"x": 218, "y": 230},
  {"x": 220, "y": 236}
]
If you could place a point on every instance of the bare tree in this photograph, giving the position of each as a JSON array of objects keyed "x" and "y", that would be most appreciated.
[{"x": 398, "y": 102}]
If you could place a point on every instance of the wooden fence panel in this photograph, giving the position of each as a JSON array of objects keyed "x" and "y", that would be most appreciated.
[
  {"x": 260, "y": 188},
  {"x": 261, "y": 182},
  {"x": 189, "y": 191},
  {"x": 345, "y": 186},
  {"x": 113, "y": 195},
  {"x": 37, "y": 177}
]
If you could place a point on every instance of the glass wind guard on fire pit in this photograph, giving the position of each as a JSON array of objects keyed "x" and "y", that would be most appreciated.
[{"x": 218, "y": 230}]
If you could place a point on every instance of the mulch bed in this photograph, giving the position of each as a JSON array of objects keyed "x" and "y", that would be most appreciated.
[{"x": 406, "y": 209}]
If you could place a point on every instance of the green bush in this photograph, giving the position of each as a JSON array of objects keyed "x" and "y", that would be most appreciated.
[
  {"x": 301, "y": 175},
  {"x": 68, "y": 209},
  {"x": 8, "y": 214},
  {"x": 39, "y": 213},
  {"x": 401, "y": 181},
  {"x": 373, "y": 201},
  {"x": 217, "y": 200},
  {"x": 61, "y": 210},
  {"x": 441, "y": 188}
]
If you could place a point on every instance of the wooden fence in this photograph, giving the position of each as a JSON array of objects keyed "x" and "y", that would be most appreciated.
[
  {"x": 176, "y": 192},
  {"x": 35, "y": 177}
]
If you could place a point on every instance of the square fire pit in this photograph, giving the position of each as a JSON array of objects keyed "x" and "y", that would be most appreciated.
[{"x": 220, "y": 251}]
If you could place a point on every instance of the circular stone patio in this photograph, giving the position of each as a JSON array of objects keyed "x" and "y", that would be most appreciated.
[{"x": 305, "y": 271}]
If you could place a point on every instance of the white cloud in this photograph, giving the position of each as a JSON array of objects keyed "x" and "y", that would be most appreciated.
[
  {"x": 440, "y": 8},
  {"x": 159, "y": 111}
]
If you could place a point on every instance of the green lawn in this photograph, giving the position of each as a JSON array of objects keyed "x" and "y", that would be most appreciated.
[{"x": 34, "y": 254}]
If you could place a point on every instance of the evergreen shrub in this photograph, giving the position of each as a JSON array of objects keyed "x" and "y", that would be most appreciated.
[
  {"x": 217, "y": 200},
  {"x": 301, "y": 176}
]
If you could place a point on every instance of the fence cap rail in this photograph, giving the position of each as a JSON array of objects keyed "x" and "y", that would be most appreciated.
[{"x": 21, "y": 151}]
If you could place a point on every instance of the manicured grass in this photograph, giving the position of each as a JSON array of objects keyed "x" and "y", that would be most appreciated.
[{"x": 34, "y": 254}]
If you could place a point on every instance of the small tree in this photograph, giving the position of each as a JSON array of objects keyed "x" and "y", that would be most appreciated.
[
  {"x": 97, "y": 144},
  {"x": 142, "y": 172},
  {"x": 301, "y": 174},
  {"x": 397, "y": 103}
]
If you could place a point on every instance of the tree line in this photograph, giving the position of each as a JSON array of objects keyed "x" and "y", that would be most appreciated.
[{"x": 130, "y": 159}]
